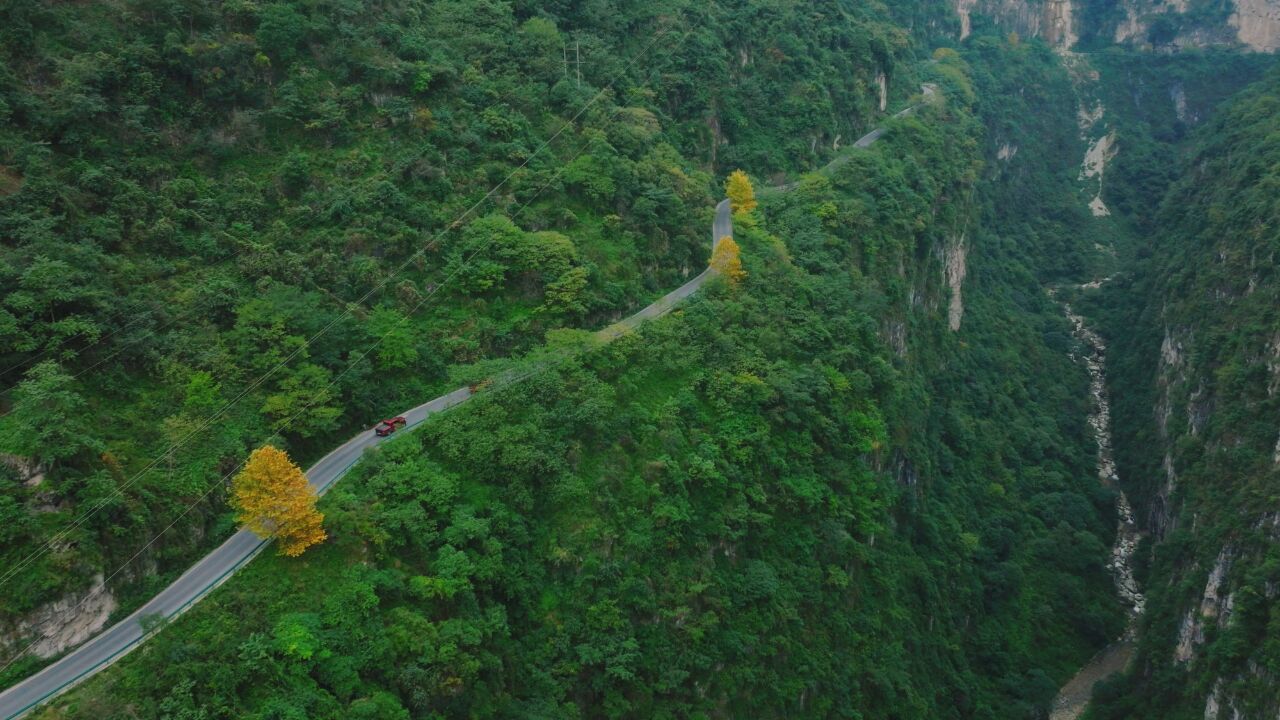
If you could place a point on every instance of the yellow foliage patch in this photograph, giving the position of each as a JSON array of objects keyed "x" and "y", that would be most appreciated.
[
  {"x": 742, "y": 197},
  {"x": 726, "y": 260},
  {"x": 273, "y": 499}
]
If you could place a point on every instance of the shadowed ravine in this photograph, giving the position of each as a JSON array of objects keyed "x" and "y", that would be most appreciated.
[{"x": 1074, "y": 697}]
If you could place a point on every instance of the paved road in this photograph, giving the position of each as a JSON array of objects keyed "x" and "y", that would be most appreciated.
[
  {"x": 239, "y": 549},
  {"x": 721, "y": 227},
  {"x": 217, "y": 566}
]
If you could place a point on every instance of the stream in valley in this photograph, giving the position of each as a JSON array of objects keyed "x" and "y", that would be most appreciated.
[{"x": 1074, "y": 696}]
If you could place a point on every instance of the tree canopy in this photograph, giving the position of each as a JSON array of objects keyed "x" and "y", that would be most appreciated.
[
  {"x": 726, "y": 260},
  {"x": 272, "y": 498},
  {"x": 742, "y": 197}
]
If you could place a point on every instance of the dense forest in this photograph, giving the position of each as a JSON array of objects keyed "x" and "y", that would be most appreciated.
[
  {"x": 802, "y": 495},
  {"x": 229, "y": 223},
  {"x": 857, "y": 479}
]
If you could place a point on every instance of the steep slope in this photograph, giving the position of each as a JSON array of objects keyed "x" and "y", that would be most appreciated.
[
  {"x": 1199, "y": 322},
  {"x": 1136, "y": 112},
  {"x": 856, "y": 484},
  {"x": 1150, "y": 105},
  {"x": 209, "y": 212}
]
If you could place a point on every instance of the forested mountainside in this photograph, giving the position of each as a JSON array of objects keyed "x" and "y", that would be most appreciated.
[
  {"x": 866, "y": 479},
  {"x": 857, "y": 483},
  {"x": 1201, "y": 310},
  {"x": 1151, "y": 105},
  {"x": 211, "y": 212}
]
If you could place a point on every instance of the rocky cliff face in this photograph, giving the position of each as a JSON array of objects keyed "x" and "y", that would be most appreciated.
[
  {"x": 1149, "y": 24},
  {"x": 1050, "y": 19},
  {"x": 1257, "y": 24}
]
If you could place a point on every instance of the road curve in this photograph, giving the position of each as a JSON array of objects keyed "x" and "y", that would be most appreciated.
[
  {"x": 721, "y": 227},
  {"x": 214, "y": 569}
]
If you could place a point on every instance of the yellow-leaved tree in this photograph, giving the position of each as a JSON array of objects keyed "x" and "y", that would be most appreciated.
[
  {"x": 272, "y": 498},
  {"x": 726, "y": 261},
  {"x": 742, "y": 197}
]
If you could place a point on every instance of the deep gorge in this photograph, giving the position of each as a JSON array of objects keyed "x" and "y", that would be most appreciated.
[{"x": 990, "y": 417}]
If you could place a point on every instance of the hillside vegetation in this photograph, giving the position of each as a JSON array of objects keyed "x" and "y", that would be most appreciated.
[
  {"x": 230, "y": 223},
  {"x": 1198, "y": 321},
  {"x": 856, "y": 483},
  {"x": 851, "y": 478}
]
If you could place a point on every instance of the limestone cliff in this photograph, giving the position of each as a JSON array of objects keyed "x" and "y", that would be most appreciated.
[
  {"x": 1257, "y": 24},
  {"x": 1050, "y": 19},
  {"x": 1162, "y": 25}
]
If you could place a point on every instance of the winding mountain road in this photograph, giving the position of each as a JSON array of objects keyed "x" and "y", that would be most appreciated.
[{"x": 214, "y": 569}]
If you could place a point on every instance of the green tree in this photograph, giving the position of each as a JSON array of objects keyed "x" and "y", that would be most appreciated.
[
  {"x": 305, "y": 403},
  {"x": 378, "y": 706},
  {"x": 281, "y": 31},
  {"x": 48, "y": 422},
  {"x": 397, "y": 342}
]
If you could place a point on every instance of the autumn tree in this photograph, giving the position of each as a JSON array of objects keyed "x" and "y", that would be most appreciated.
[
  {"x": 726, "y": 261},
  {"x": 742, "y": 198},
  {"x": 273, "y": 499}
]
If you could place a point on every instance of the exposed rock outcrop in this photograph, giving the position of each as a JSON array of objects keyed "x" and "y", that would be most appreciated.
[
  {"x": 1149, "y": 24},
  {"x": 1214, "y": 606},
  {"x": 954, "y": 267},
  {"x": 1257, "y": 24},
  {"x": 60, "y": 625},
  {"x": 1179, "y": 98},
  {"x": 1059, "y": 22},
  {"x": 963, "y": 8},
  {"x": 1094, "y": 167},
  {"x": 1053, "y": 20},
  {"x": 1171, "y": 374}
]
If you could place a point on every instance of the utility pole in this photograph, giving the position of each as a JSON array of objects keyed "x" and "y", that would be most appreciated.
[{"x": 577, "y": 55}]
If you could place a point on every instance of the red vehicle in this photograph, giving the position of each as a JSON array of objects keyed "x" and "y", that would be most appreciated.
[{"x": 390, "y": 425}]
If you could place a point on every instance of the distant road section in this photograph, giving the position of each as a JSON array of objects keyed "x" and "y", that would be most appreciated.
[
  {"x": 213, "y": 569},
  {"x": 721, "y": 227}
]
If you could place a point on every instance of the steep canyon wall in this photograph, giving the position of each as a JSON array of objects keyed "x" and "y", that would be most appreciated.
[{"x": 1147, "y": 24}]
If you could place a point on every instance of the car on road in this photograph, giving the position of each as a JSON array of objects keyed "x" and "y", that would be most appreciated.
[{"x": 390, "y": 425}]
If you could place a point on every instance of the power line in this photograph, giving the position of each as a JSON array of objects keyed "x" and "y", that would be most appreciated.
[
  {"x": 542, "y": 365},
  {"x": 98, "y": 340},
  {"x": 119, "y": 490}
]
